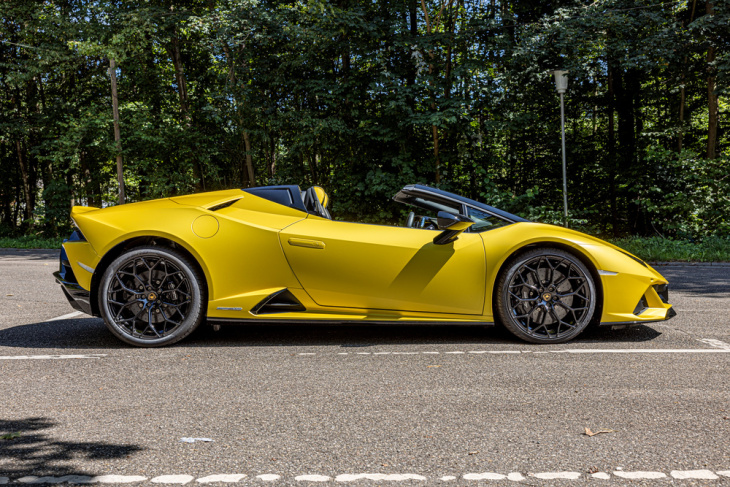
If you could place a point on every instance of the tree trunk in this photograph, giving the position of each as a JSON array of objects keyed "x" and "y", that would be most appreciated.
[
  {"x": 117, "y": 133},
  {"x": 249, "y": 160},
  {"x": 712, "y": 102},
  {"x": 28, "y": 194},
  {"x": 612, "y": 163}
]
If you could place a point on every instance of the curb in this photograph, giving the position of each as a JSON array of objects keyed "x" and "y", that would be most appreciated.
[{"x": 689, "y": 264}]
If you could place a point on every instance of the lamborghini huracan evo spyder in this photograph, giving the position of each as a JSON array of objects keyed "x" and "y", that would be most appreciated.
[{"x": 155, "y": 270}]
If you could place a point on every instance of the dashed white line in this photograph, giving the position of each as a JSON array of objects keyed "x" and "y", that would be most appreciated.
[
  {"x": 118, "y": 479},
  {"x": 312, "y": 478},
  {"x": 392, "y": 477},
  {"x": 225, "y": 478},
  {"x": 484, "y": 476},
  {"x": 600, "y": 475},
  {"x": 639, "y": 475},
  {"x": 172, "y": 479},
  {"x": 556, "y": 475},
  {"x": 268, "y": 477},
  {"x": 693, "y": 474},
  {"x": 66, "y": 317},
  {"x": 378, "y": 476},
  {"x": 51, "y": 357}
]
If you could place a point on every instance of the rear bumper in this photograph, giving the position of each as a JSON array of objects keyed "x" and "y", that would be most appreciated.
[{"x": 78, "y": 297}]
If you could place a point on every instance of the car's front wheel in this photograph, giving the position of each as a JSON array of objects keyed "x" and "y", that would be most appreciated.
[
  {"x": 546, "y": 296},
  {"x": 152, "y": 296}
]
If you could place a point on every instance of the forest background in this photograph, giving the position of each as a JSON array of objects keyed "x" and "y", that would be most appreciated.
[{"x": 362, "y": 97}]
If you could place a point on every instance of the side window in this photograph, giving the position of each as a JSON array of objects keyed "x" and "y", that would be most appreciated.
[{"x": 484, "y": 221}]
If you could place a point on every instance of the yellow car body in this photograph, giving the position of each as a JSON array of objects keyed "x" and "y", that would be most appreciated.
[{"x": 250, "y": 248}]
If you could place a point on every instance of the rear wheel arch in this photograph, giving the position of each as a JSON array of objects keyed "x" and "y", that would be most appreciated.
[
  {"x": 132, "y": 243},
  {"x": 506, "y": 263}
]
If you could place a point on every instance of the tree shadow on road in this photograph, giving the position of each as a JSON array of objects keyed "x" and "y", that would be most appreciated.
[
  {"x": 705, "y": 281},
  {"x": 26, "y": 448}
]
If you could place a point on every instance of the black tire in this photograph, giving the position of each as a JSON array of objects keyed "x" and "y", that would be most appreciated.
[
  {"x": 152, "y": 296},
  {"x": 546, "y": 295}
]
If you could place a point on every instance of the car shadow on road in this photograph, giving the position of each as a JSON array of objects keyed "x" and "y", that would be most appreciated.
[
  {"x": 27, "y": 448},
  {"x": 91, "y": 333}
]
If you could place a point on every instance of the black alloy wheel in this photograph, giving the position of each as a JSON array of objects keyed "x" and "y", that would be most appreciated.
[
  {"x": 546, "y": 296},
  {"x": 152, "y": 296}
]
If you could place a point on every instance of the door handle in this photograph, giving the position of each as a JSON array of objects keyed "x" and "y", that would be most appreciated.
[{"x": 303, "y": 242}]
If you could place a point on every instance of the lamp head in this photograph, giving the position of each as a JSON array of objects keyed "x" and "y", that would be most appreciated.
[{"x": 561, "y": 80}]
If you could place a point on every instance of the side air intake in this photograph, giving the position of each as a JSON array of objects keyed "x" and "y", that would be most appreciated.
[{"x": 280, "y": 302}]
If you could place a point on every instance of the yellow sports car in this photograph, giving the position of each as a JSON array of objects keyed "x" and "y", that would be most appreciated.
[{"x": 157, "y": 269}]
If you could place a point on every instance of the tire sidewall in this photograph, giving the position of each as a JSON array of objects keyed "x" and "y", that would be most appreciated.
[
  {"x": 503, "y": 288},
  {"x": 189, "y": 324}
]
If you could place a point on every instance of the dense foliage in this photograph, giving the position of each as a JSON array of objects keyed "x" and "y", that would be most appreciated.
[{"x": 363, "y": 97}]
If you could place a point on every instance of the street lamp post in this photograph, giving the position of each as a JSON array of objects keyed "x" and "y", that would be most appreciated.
[{"x": 561, "y": 85}]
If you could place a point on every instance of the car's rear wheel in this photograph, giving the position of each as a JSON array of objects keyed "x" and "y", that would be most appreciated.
[
  {"x": 152, "y": 296},
  {"x": 546, "y": 296}
]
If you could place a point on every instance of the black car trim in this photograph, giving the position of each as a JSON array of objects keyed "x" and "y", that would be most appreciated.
[{"x": 414, "y": 190}]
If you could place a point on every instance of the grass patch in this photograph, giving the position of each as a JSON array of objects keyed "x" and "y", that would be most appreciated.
[
  {"x": 30, "y": 242},
  {"x": 658, "y": 249}
]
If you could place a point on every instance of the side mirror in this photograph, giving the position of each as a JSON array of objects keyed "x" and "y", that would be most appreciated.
[{"x": 452, "y": 225}]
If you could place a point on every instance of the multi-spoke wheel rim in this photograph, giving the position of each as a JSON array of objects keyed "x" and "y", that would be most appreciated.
[
  {"x": 149, "y": 297},
  {"x": 550, "y": 297}
]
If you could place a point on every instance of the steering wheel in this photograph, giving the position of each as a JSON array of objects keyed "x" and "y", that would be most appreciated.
[{"x": 411, "y": 219}]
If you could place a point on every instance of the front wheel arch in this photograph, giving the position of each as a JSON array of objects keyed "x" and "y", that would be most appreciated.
[
  {"x": 126, "y": 245},
  {"x": 560, "y": 246}
]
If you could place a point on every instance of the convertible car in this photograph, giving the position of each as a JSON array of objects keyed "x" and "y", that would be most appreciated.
[{"x": 157, "y": 269}]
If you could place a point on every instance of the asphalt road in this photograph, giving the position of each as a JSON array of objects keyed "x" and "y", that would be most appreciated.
[{"x": 407, "y": 405}]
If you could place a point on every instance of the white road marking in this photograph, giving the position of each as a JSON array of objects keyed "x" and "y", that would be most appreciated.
[
  {"x": 448, "y": 478},
  {"x": 221, "y": 478},
  {"x": 484, "y": 476},
  {"x": 693, "y": 474},
  {"x": 715, "y": 343},
  {"x": 268, "y": 477},
  {"x": 307, "y": 354},
  {"x": 724, "y": 473},
  {"x": 639, "y": 475},
  {"x": 118, "y": 479},
  {"x": 66, "y": 317},
  {"x": 172, "y": 479},
  {"x": 378, "y": 476},
  {"x": 719, "y": 347},
  {"x": 312, "y": 478},
  {"x": 50, "y": 357},
  {"x": 515, "y": 476},
  {"x": 556, "y": 475},
  {"x": 600, "y": 475}
]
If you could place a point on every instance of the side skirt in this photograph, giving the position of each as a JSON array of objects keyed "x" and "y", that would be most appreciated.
[{"x": 247, "y": 321}]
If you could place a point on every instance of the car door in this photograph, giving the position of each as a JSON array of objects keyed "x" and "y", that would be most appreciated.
[{"x": 356, "y": 265}]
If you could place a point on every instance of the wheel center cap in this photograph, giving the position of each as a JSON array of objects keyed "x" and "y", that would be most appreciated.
[
  {"x": 151, "y": 296},
  {"x": 547, "y": 296}
]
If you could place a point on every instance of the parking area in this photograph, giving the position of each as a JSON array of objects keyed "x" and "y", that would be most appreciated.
[{"x": 370, "y": 405}]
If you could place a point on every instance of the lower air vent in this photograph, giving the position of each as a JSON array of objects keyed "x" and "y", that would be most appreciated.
[
  {"x": 642, "y": 306},
  {"x": 663, "y": 291},
  {"x": 280, "y": 302}
]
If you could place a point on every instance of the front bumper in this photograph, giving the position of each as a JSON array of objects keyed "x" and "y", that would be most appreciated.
[
  {"x": 653, "y": 306},
  {"x": 77, "y": 296}
]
